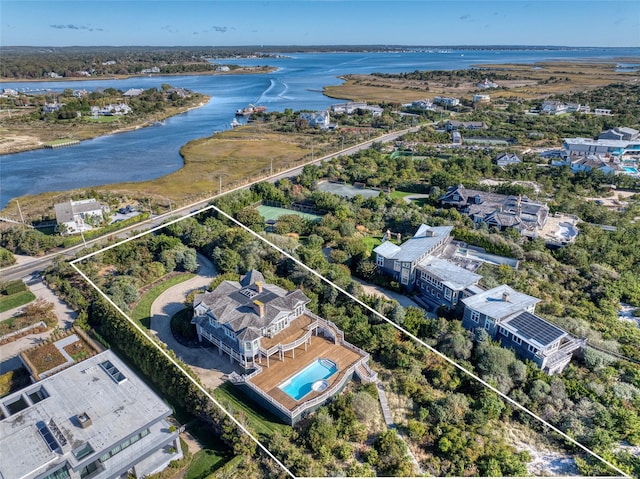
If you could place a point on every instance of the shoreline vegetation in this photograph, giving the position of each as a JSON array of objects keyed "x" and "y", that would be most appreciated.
[
  {"x": 203, "y": 171},
  {"x": 246, "y": 70}
]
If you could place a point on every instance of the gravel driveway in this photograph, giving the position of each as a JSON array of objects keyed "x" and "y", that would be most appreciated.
[{"x": 206, "y": 362}]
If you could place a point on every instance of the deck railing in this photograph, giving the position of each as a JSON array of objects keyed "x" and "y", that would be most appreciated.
[{"x": 289, "y": 346}]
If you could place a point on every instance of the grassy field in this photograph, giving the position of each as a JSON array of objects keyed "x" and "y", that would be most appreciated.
[
  {"x": 231, "y": 158},
  {"x": 273, "y": 213},
  {"x": 15, "y": 300},
  {"x": 142, "y": 311},
  {"x": 261, "y": 421},
  {"x": 526, "y": 81}
]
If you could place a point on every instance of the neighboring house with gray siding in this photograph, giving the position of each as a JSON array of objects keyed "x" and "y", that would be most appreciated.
[{"x": 509, "y": 317}]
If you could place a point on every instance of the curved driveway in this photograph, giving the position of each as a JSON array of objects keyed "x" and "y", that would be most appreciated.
[{"x": 207, "y": 363}]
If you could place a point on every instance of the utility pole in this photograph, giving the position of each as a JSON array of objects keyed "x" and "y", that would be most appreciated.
[
  {"x": 311, "y": 151},
  {"x": 20, "y": 211},
  {"x": 271, "y": 168},
  {"x": 220, "y": 175}
]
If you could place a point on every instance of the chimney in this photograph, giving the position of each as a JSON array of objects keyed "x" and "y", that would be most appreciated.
[
  {"x": 259, "y": 306},
  {"x": 259, "y": 286},
  {"x": 505, "y": 296},
  {"x": 84, "y": 420}
]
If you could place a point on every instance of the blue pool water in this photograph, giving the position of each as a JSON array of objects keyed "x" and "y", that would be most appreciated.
[
  {"x": 630, "y": 169},
  {"x": 300, "y": 385}
]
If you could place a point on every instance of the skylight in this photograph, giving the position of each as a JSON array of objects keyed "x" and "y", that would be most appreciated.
[
  {"x": 113, "y": 371},
  {"x": 248, "y": 292}
]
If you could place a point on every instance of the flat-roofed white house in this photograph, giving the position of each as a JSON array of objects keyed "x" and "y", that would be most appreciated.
[
  {"x": 481, "y": 98},
  {"x": 95, "y": 419},
  {"x": 605, "y": 146},
  {"x": 298, "y": 360},
  {"x": 79, "y": 215},
  {"x": 509, "y": 317}
]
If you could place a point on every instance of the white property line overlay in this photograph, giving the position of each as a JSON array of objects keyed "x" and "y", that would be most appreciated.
[
  {"x": 369, "y": 308},
  {"x": 180, "y": 368}
]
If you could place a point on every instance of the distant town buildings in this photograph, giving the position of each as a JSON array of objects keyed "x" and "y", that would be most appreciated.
[
  {"x": 111, "y": 109},
  {"x": 352, "y": 107},
  {"x": 453, "y": 125},
  {"x": 446, "y": 101},
  {"x": 506, "y": 159},
  {"x": 133, "y": 92},
  {"x": 425, "y": 104},
  {"x": 486, "y": 84},
  {"x": 553, "y": 107},
  {"x": 481, "y": 98},
  {"x": 317, "y": 119}
]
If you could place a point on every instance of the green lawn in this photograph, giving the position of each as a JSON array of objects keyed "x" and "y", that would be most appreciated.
[
  {"x": 371, "y": 242},
  {"x": 273, "y": 213},
  {"x": 15, "y": 300},
  {"x": 260, "y": 420},
  {"x": 142, "y": 311},
  {"x": 213, "y": 455},
  {"x": 399, "y": 194}
]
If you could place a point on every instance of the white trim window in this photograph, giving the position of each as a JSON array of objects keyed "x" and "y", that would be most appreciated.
[
  {"x": 396, "y": 265},
  {"x": 404, "y": 276},
  {"x": 532, "y": 349},
  {"x": 517, "y": 340},
  {"x": 447, "y": 294},
  {"x": 504, "y": 332},
  {"x": 380, "y": 260},
  {"x": 488, "y": 324},
  {"x": 475, "y": 316}
]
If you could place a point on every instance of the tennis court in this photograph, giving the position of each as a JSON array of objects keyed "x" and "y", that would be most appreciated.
[{"x": 273, "y": 213}]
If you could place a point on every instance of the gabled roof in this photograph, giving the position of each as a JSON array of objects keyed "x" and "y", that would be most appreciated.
[
  {"x": 449, "y": 274},
  {"x": 534, "y": 329},
  {"x": 500, "y": 302},
  {"x": 425, "y": 238},
  {"x": 236, "y": 304}
]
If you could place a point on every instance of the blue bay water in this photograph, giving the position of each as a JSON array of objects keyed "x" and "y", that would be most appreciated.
[{"x": 297, "y": 83}]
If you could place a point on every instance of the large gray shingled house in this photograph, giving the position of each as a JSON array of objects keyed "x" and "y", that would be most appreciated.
[{"x": 293, "y": 361}]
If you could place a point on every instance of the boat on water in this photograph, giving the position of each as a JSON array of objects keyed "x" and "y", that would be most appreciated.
[
  {"x": 250, "y": 110},
  {"x": 235, "y": 123}
]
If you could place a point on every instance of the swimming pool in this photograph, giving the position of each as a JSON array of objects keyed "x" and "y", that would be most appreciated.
[
  {"x": 630, "y": 169},
  {"x": 301, "y": 384}
]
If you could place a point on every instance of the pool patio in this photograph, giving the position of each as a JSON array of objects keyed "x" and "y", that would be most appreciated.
[{"x": 280, "y": 370}]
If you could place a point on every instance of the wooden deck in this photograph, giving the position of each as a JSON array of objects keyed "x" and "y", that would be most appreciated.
[
  {"x": 297, "y": 328},
  {"x": 278, "y": 371}
]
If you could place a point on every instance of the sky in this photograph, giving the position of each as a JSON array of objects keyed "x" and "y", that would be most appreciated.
[{"x": 214, "y": 23}]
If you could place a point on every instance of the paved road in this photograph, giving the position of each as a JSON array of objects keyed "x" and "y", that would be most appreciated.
[
  {"x": 207, "y": 363},
  {"x": 25, "y": 268}
]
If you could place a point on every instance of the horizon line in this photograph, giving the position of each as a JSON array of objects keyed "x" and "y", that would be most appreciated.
[{"x": 361, "y": 45}]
